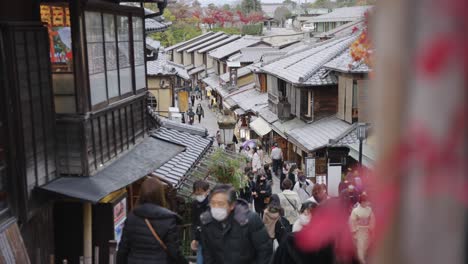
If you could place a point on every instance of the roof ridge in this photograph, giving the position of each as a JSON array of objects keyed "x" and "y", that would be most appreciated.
[{"x": 341, "y": 45}]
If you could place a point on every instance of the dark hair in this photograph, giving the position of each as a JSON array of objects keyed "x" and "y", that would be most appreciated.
[
  {"x": 307, "y": 206},
  {"x": 286, "y": 184},
  {"x": 201, "y": 185},
  {"x": 266, "y": 167},
  {"x": 226, "y": 189},
  {"x": 275, "y": 204},
  {"x": 275, "y": 144},
  {"x": 247, "y": 170},
  {"x": 293, "y": 167},
  {"x": 152, "y": 191},
  {"x": 259, "y": 176}
]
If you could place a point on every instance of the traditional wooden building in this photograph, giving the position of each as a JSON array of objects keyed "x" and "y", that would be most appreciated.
[{"x": 73, "y": 112}]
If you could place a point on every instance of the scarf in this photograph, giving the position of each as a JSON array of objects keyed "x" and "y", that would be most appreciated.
[{"x": 270, "y": 219}]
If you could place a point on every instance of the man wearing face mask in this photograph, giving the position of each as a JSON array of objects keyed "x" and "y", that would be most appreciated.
[
  {"x": 303, "y": 187},
  {"x": 199, "y": 206},
  {"x": 231, "y": 233}
]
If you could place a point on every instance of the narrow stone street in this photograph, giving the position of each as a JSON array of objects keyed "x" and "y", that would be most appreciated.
[{"x": 210, "y": 120}]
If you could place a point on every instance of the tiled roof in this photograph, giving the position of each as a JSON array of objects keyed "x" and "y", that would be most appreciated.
[
  {"x": 250, "y": 99},
  {"x": 234, "y": 47},
  {"x": 343, "y": 30},
  {"x": 251, "y": 54},
  {"x": 212, "y": 81},
  {"x": 283, "y": 127},
  {"x": 152, "y": 44},
  {"x": 201, "y": 41},
  {"x": 187, "y": 42},
  {"x": 208, "y": 43},
  {"x": 345, "y": 63},
  {"x": 162, "y": 66},
  {"x": 197, "y": 70},
  {"x": 318, "y": 134},
  {"x": 152, "y": 25},
  {"x": 342, "y": 14},
  {"x": 220, "y": 43},
  {"x": 176, "y": 168},
  {"x": 267, "y": 114},
  {"x": 303, "y": 67}
]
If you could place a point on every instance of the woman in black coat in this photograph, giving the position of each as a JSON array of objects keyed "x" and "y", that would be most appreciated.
[
  {"x": 138, "y": 244},
  {"x": 262, "y": 191}
]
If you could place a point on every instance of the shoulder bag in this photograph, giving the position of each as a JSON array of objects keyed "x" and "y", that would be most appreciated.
[{"x": 163, "y": 245}]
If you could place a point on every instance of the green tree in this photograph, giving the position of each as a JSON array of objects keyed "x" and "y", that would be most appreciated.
[
  {"x": 227, "y": 7},
  {"x": 248, "y": 6},
  {"x": 212, "y": 6},
  {"x": 281, "y": 14}
]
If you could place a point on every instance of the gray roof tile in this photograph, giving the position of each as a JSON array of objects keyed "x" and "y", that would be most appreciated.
[
  {"x": 318, "y": 134},
  {"x": 162, "y": 66},
  {"x": 218, "y": 44},
  {"x": 345, "y": 63},
  {"x": 342, "y": 14},
  {"x": 179, "y": 166},
  {"x": 187, "y": 42},
  {"x": 234, "y": 47},
  {"x": 208, "y": 43},
  {"x": 251, "y": 54},
  {"x": 201, "y": 41},
  {"x": 302, "y": 67}
]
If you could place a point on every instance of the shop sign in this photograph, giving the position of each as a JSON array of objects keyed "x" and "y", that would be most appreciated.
[{"x": 120, "y": 215}]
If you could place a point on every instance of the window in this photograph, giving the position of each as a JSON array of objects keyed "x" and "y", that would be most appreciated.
[
  {"x": 112, "y": 73},
  {"x": 116, "y": 56},
  {"x": 282, "y": 89},
  {"x": 96, "y": 62},
  {"x": 139, "y": 53}
]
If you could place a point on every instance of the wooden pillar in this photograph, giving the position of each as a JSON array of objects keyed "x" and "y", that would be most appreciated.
[{"x": 87, "y": 233}]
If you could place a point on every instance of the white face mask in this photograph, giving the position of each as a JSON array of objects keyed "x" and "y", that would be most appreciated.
[
  {"x": 200, "y": 198},
  {"x": 304, "y": 219},
  {"x": 219, "y": 214}
]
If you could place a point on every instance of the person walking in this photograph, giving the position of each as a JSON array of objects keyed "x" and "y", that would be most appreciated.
[
  {"x": 291, "y": 175},
  {"x": 256, "y": 161},
  {"x": 248, "y": 191},
  {"x": 276, "y": 224},
  {"x": 150, "y": 233},
  {"x": 191, "y": 116},
  {"x": 261, "y": 154},
  {"x": 199, "y": 206},
  {"x": 362, "y": 223},
  {"x": 277, "y": 158},
  {"x": 231, "y": 233},
  {"x": 200, "y": 112},
  {"x": 192, "y": 99},
  {"x": 262, "y": 194},
  {"x": 290, "y": 201},
  {"x": 218, "y": 138},
  {"x": 307, "y": 211},
  {"x": 303, "y": 187}
]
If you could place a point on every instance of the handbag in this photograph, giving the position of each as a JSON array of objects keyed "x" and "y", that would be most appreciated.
[{"x": 163, "y": 245}]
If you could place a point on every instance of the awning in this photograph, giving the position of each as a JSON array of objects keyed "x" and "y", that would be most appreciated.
[
  {"x": 228, "y": 103},
  {"x": 239, "y": 111},
  {"x": 260, "y": 126},
  {"x": 143, "y": 159}
]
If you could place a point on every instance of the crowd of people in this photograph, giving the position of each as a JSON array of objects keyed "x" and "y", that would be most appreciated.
[{"x": 252, "y": 225}]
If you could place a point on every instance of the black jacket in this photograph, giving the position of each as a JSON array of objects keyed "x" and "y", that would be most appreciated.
[
  {"x": 139, "y": 246},
  {"x": 260, "y": 199},
  {"x": 246, "y": 193},
  {"x": 241, "y": 239},
  {"x": 288, "y": 253},
  {"x": 197, "y": 210}
]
